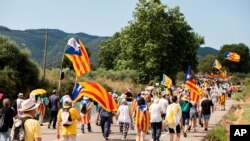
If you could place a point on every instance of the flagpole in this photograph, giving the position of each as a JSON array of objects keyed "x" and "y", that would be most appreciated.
[{"x": 59, "y": 84}]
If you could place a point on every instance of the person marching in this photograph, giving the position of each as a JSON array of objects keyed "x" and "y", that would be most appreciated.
[
  {"x": 207, "y": 108},
  {"x": 173, "y": 119},
  {"x": 42, "y": 101},
  {"x": 185, "y": 107},
  {"x": 85, "y": 113},
  {"x": 222, "y": 99},
  {"x": 124, "y": 118},
  {"x": 156, "y": 111},
  {"x": 67, "y": 117},
  {"x": 142, "y": 119}
]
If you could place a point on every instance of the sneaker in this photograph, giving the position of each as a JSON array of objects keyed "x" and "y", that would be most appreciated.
[
  {"x": 89, "y": 130},
  {"x": 185, "y": 134},
  {"x": 205, "y": 129},
  {"x": 83, "y": 131}
]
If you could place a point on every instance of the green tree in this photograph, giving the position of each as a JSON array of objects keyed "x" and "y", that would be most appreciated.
[
  {"x": 157, "y": 41},
  {"x": 206, "y": 63},
  {"x": 243, "y": 51},
  {"x": 17, "y": 72},
  {"x": 108, "y": 51}
]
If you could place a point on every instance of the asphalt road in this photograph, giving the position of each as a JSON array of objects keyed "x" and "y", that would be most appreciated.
[{"x": 96, "y": 135}]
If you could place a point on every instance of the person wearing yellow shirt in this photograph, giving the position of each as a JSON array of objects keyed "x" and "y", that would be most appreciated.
[
  {"x": 173, "y": 119},
  {"x": 31, "y": 126},
  {"x": 67, "y": 118}
]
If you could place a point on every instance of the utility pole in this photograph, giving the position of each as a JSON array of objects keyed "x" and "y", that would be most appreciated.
[{"x": 45, "y": 53}]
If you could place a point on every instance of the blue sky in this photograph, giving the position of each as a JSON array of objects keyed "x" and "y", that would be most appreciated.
[{"x": 219, "y": 21}]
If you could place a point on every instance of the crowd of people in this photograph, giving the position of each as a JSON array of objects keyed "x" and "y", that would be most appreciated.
[{"x": 169, "y": 110}]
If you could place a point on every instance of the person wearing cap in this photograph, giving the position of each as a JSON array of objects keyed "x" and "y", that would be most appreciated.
[
  {"x": 18, "y": 103},
  {"x": 68, "y": 132},
  {"x": 54, "y": 106},
  {"x": 31, "y": 126},
  {"x": 10, "y": 114},
  {"x": 184, "y": 102},
  {"x": 86, "y": 113}
]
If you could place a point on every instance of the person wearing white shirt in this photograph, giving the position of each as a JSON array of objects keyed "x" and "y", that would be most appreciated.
[
  {"x": 124, "y": 118},
  {"x": 164, "y": 104},
  {"x": 156, "y": 111},
  {"x": 19, "y": 102}
]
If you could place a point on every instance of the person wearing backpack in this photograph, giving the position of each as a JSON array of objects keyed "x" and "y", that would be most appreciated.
[
  {"x": 25, "y": 128},
  {"x": 67, "y": 117},
  {"x": 185, "y": 108},
  {"x": 85, "y": 113},
  {"x": 6, "y": 120}
]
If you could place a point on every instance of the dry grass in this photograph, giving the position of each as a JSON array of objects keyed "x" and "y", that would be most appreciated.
[{"x": 52, "y": 76}]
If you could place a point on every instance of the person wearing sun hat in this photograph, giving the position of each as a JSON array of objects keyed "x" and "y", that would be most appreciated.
[
  {"x": 18, "y": 103},
  {"x": 185, "y": 107},
  {"x": 68, "y": 131},
  {"x": 31, "y": 126}
]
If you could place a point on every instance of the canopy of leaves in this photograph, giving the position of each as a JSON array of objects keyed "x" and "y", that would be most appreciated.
[
  {"x": 157, "y": 41},
  {"x": 17, "y": 72},
  {"x": 206, "y": 63},
  {"x": 244, "y": 65}
]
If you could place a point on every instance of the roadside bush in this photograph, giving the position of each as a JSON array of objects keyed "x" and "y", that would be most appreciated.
[{"x": 218, "y": 134}]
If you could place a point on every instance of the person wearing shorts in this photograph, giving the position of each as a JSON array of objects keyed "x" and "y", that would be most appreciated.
[
  {"x": 193, "y": 116},
  {"x": 185, "y": 114},
  {"x": 206, "y": 106},
  {"x": 173, "y": 119}
]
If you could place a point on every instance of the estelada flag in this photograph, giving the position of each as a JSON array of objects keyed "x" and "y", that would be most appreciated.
[
  {"x": 222, "y": 74},
  {"x": 99, "y": 94},
  {"x": 232, "y": 56},
  {"x": 142, "y": 119},
  {"x": 78, "y": 55},
  {"x": 166, "y": 81},
  {"x": 217, "y": 64},
  {"x": 194, "y": 92}
]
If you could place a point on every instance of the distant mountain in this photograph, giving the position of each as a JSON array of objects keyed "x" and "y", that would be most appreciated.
[
  {"x": 203, "y": 51},
  {"x": 34, "y": 40}
]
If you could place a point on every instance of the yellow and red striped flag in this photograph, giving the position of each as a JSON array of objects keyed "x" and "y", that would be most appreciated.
[
  {"x": 222, "y": 74},
  {"x": 78, "y": 55},
  {"x": 98, "y": 94},
  {"x": 166, "y": 81},
  {"x": 217, "y": 64},
  {"x": 232, "y": 56},
  {"x": 142, "y": 119},
  {"x": 194, "y": 92}
]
